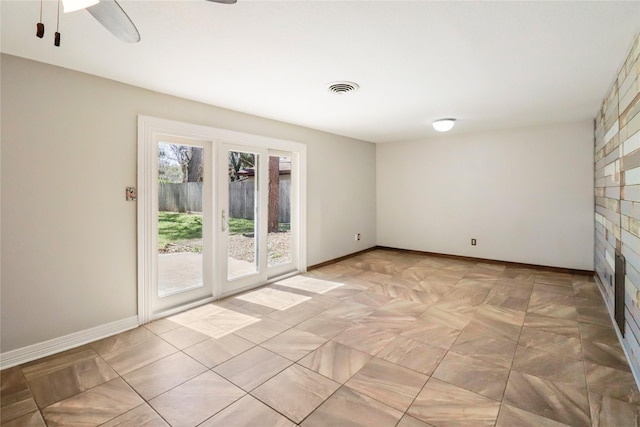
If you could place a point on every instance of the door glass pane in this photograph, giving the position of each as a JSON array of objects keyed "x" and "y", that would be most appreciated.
[
  {"x": 279, "y": 248},
  {"x": 243, "y": 214},
  {"x": 180, "y": 195}
]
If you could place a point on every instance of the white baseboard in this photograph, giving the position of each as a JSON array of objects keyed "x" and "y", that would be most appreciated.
[
  {"x": 56, "y": 345},
  {"x": 636, "y": 374}
]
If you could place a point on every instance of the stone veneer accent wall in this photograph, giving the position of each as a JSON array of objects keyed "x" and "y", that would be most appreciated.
[{"x": 617, "y": 195}]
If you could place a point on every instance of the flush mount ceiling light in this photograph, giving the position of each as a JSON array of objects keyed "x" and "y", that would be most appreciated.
[
  {"x": 444, "y": 125},
  {"x": 342, "y": 87}
]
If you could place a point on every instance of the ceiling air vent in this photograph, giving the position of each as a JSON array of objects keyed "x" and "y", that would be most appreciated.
[{"x": 340, "y": 88}]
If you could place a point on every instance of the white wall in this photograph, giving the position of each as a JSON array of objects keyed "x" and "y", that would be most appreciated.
[
  {"x": 526, "y": 195},
  {"x": 69, "y": 237}
]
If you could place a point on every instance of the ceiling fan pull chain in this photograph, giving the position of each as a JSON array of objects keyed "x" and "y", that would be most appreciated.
[
  {"x": 56, "y": 40},
  {"x": 40, "y": 25}
]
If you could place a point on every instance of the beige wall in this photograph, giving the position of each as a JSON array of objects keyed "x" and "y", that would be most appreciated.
[
  {"x": 525, "y": 195},
  {"x": 69, "y": 237}
]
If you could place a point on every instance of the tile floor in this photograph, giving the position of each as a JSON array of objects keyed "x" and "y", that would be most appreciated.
[{"x": 384, "y": 338}]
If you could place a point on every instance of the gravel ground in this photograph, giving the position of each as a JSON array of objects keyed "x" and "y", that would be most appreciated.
[{"x": 242, "y": 247}]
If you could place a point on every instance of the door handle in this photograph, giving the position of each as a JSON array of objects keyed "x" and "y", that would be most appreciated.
[{"x": 224, "y": 222}]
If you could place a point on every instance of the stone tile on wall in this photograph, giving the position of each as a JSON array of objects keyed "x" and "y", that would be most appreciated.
[{"x": 617, "y": 193}]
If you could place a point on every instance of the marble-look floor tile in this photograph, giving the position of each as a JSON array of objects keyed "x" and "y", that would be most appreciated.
[
  {"x": 348, "y": 408},
  {"x": 208, "y": 328},
  {"x": 418, "y": 273},
  {"x": 606, "y": 411},
  {"x": 497, "y": 322},
  {"x": 518, "y": 278},
  {"x": 122, "y": 341},
  {"x": 372, "y": 300},
  {"x": 183, "y": 337},
  {"x": 560, "y": 290},
  {"x": 350, "y": 311},
  {"x": 559, "y": 367},
  {"x": 473, "y": 374},
  {"x": 600, "y": 334},
  {"x": 325, "y": 325},
  {"x": 247, "y": 411},
  {"x": 387, "y": 382},
  {"x": 365, "y": 338},
  {"x": 373, "y": 322},
  {"x": 161, "y": 326},
  {"x": 409, "y": 421},
  {"x": 273, "y": 298},
  {"x": 196, "y": 400},
  {"x": 16, "y": 399},
  {"x": 434, "y": 334},
  {"x": 138, "y": 355},
  {"x": 509, "y": 297},
  {"x": 510, "y": 416},
  {"x": 294, "y": 344},
  {"x": 592, "y": 310},
  {"x": 141, "y": 416},
  {"x": 550, "y": 342},
  {"x": 57, "y": 377},
  {"x": 298, "y": 313},
  {"x": 420, "y": 296},
  {"x": 157, "y": 377},
  {"x": 451, "y": 319},
  {"x": 203, "y": 311},
  {"x": 605, "y": 355},
  {"x": 554, "y": 325},
  {"x": 94, "y": 406},
  {"x": 497, "y": 351},
  {"x": 336, "y": 361},
  {"x": 612, "y": 383},
  {"x": 446, "y": 405},
  {"x": 560, "y": 402},
  {"x": 218, "y": 350},
  {"x": 253, "y": 367},
  {"x": 261, "y": 331},
  {"x": 586, "y": 290},
  {"x": 392, "y": 291},
  {"x": 434, "y": 290},
  {"x": 553, "y": 278},
  {"x": 224, "y": 319},
  {"x": 553, "y": 305},
  {"x": 296, "y": 392},
  {"x": 33, "y": 419},
  {"x": 461, "y": 298},
  {"x": 388, "y": 320},
  {"x": 413, "y": 354},
  {"x": 404, "y": 306},
  {"x": 311, "y": 284},
  {"x": 254, "y": 310}
]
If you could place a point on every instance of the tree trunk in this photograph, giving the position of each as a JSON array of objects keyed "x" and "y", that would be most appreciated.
[
  {"x": 274, "y": 192},
  {"x": 195, "y": 165}
]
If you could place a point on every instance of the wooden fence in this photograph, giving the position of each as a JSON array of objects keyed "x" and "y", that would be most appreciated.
[{"x": 187, "y": 197}]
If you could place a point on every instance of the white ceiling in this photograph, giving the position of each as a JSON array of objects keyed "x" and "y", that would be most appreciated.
[{"x": 489, "y": 64}]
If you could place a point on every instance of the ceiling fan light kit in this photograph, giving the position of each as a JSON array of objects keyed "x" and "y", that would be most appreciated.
[
  {"x": 108, "y": 13},
  {"x": 73, "y": 5}
]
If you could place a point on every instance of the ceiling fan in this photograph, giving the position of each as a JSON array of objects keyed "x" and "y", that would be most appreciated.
[{"x": 108, "y": 13}]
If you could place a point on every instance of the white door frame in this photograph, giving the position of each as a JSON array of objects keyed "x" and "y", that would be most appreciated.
[{"x": 148, "y": 129}]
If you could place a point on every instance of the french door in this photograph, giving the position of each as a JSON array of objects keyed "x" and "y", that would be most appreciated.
[
  {"x": 243, "y": 201},
  {"x": 219, "y": 212}
]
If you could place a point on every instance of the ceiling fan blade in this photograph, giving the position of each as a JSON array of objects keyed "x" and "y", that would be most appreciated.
[
  {"x": 111, "y": 15},
  {"x": 224, "y": 1}
]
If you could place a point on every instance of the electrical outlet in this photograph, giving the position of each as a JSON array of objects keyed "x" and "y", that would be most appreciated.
[
  {"x": 357, "y": 236},
  {"x": 473, "y": 242}
]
